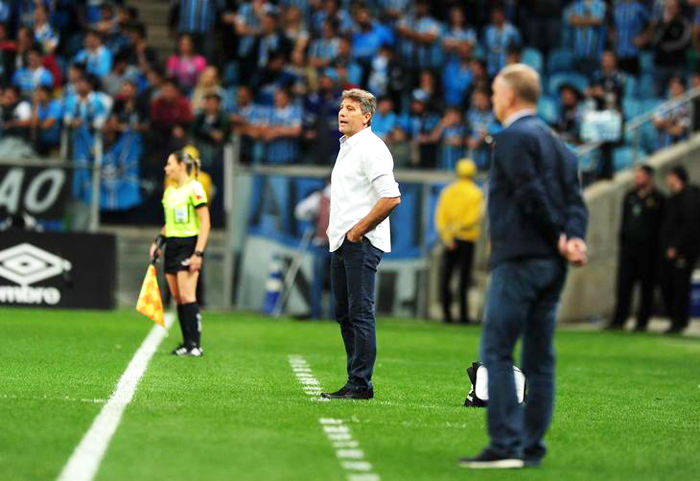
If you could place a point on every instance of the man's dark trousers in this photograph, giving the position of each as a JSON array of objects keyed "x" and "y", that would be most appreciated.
[
  {"x": 460, "y": 257},
  {"x": 636, "y": 264},
  {"x": 532, "y": 286},
  {"x": 353, "y": 272}
]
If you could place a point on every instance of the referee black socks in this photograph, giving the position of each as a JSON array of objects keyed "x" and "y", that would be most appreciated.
[{"x": 191, "y": 323}]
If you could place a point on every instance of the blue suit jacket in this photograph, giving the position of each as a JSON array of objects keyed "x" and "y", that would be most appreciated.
[{"x": 534, "y": 193}]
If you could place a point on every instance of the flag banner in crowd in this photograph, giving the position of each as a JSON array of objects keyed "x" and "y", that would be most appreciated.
[
  {"x": 119, "y": 180},
  {"x": 150, "y": 303}
]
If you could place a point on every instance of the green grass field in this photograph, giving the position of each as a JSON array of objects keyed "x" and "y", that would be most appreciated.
[{"x": 628, "y": 406}]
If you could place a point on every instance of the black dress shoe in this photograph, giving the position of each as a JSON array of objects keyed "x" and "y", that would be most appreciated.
[{"x": 347, "y": 393}]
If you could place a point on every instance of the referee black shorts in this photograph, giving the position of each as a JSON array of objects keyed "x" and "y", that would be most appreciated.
[{"x": 178, "y": 251}]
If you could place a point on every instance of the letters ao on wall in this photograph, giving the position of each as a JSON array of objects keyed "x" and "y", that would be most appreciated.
[{"x": 39, "y": 191}]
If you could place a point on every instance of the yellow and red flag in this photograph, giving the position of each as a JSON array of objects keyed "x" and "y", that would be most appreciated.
[{"x": 150, "y": 303}]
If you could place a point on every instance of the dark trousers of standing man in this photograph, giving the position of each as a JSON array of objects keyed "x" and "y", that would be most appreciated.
[
  {"x": 522, "y": 299},
  {"x": 675, "y": 287},
  {"x": 461, "y": 258},
  {"x": 353, "y": 272},
  {"x": 635, "y": 266}
]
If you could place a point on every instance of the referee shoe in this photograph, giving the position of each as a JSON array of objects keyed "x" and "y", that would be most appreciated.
[
  {"x": 183, "y": 351},
  {"x": 490, "y": 460}
]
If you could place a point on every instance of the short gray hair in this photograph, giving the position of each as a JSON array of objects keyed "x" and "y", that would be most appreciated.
[
  {"x": 367, "y": 101},
  {"x": 524, "y": 80}
]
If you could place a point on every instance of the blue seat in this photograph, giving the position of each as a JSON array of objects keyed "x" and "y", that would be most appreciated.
[
  {"x": 647, "y": 86},
  {"x": 623, "y": 158},
  {"x": 548, "y": 109},
  {"x": 533, "y": 58},
  {"x": 577, "y": 80},
  {"x": 646, "y": 62},
  {"x": 560, "y": 60},
  {"x": 631, "y": 107}
]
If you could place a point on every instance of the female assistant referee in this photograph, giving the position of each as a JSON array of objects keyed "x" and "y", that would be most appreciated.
[{"x": 184, "y": 237}]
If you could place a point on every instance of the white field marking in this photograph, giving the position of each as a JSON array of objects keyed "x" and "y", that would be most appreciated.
[
  {"x": 305, "y": 376},
  {"x": 347, "y": 450},
  {"x": 87, "y": 456},
  {"x": 47, "y": 398}
]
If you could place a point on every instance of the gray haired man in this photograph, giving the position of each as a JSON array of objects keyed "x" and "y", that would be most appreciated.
[{"x": 363, "y": 194}]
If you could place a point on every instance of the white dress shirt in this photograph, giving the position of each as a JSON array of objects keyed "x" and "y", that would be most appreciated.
[{"x": 363, "y": 174}]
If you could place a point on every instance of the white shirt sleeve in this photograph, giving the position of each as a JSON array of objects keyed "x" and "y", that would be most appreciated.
[
  {"x": 378, "y": 167},
  {"x": 23, "y": 111}
]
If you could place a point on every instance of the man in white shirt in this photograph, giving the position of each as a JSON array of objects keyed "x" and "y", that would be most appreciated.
[{"x": 363, "y": 194}]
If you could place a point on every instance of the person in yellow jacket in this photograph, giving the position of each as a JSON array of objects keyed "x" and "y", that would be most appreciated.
[{"x": 457, "y": 219}]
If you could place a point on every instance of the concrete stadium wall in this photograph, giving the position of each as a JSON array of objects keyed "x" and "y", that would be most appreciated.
[{"x": 590, "y": 291}]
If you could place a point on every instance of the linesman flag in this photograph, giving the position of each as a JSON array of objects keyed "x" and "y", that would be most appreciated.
[{"x": 150, "y": 303}]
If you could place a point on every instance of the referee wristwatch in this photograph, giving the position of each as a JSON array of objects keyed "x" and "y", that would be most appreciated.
[{"x": 199, "y": 253}]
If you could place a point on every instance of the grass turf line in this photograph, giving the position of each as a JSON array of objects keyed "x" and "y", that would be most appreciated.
[{"x": 626, "y": 405}]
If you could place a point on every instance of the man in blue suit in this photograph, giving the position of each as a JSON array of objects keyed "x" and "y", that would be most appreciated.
[{"x": 538, "y": 223}]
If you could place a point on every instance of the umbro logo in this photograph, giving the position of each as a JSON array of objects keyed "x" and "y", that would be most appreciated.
[{"x": 25, "y": 264}]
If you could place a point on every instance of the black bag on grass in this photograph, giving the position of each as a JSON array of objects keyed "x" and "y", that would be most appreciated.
[{"x": 479, "y": 394}]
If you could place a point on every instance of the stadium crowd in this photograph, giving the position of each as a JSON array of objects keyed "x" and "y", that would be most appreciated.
[{"x": 273, "y": 73}]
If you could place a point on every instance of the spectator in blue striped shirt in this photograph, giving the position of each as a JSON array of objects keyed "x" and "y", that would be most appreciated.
[
  {"x": 419, "y": 35},
  {"x": 197, "y": 18},
  {"x": 419, "y": 125},
  {"x": 458, "y": 36},
  {"x": 674, "y": 125},
  {"x": 33, "y": 75},
  {"x": 283, "y": 130},
  {"x": 323, "y": 50},
  {"x": 88, "y": 107},
  {"x": 43, "y": 33},
  {"x": 45, "y": 121},
  {"x": 450, "y": 132},
  {"x": 481, "y": 124},
  {"x": 587, "y": 18},
  {"x": 498, "y": 36},
  {"x": 96, "y": 57},
  {"x": 630, "y": 19},
  {"x": 384, "y": 119},
  {"x": 331, "y": 9},
  {"x": 457, "y": 77}
]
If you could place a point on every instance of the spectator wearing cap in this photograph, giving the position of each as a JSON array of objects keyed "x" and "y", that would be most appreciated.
[
  {"x": 670, "y": 38},
  {"x": 283, "y": 130},
  {"x": 88, "y": 107},
  {"x": 642, "y": 211},
  {"x": 96, "y": 57},
  {"x": 186, "y": 65},
  {"x": 419, "y": 35},
  {"x": 15, "y": 114},
  {"x": 568, "y": 124},
  {"x": 171, "y": 116},
  {"x": 44, "y": 34},
  {"x": 630, "y": 19},
  {"x": 587, "y": 19},
  {"x": 679, "y": 243},
  {"x": 45, "y": 120},
  {"x": 458, "y": 39},
  {"x": 33, "y": 75},
  {"x": 674, "y": 124},
  {"x": 210, "y": 130},
  {"x": 499, "y": 35},
  {"x": 481, "y": 123},
  {"x": 457, "y": 220}
]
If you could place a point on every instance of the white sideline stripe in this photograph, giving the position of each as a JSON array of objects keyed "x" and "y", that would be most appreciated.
[
  {"x": 86, "y": 459},
  {"x": 348, "y": 451},
  {"x": 305, "y": 376}
]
